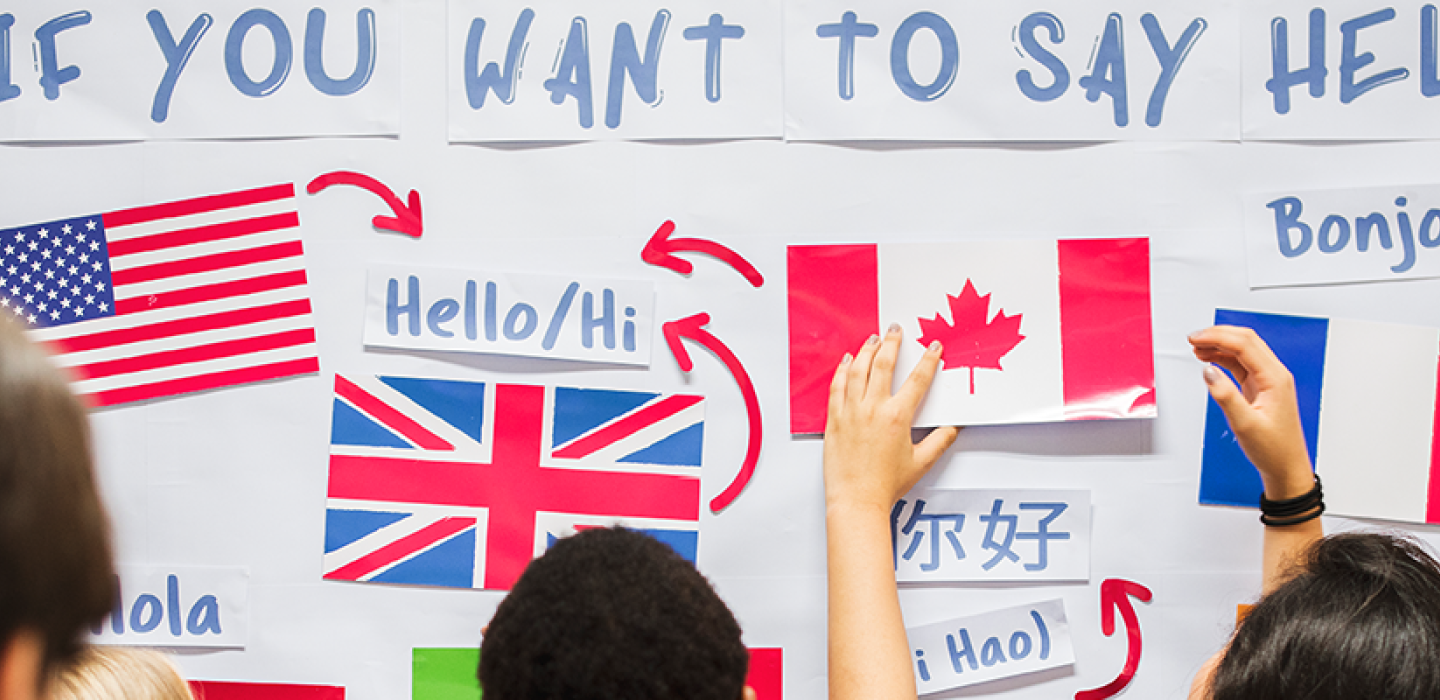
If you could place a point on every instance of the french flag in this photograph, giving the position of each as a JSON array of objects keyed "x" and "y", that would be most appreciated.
[
  {"x": 1034, "y": 330},
  {"x": 1367, "y": 398}
]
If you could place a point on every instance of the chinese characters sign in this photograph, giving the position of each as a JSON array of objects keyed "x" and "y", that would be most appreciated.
[{"x": 968, "y": 535}]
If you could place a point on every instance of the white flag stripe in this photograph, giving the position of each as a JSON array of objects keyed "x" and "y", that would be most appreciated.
[
  {"x": 1376, "y": 417},
  {"x": 209, "y": 218},
  {"x": 199, "y": 279},
  {"x": 144, "y": 318},
  {"x": 196, "y": 369},
  {"x": 217, "y": 335},
  {"x": 465, "y": 447},
  {"x": 611, "y": 454},
  {"x": 224, "y": 245},
  {"x": 1021, "y": 278}
]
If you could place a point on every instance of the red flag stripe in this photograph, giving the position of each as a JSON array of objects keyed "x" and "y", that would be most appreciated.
[
  {"x": 1105, "y": 326},
  {"x": 194, "y": 353},
  {"x": 1432, "y": 503},
  {"x": 212, "y": 380},
  {"x": 389, "y": 417},
  {"x": 198, "y": 205},
  {"x": 834, "y": 305},
  {"x": 236, "y": 690},
  {"x": 208, "y": 263},
  {"x": 180, "y": 326},
  {"x": 209, "y": 292},
  {"x": 201, "y": 234},
  {"x": 401, "y": 548},
  {"x": 626, "y": 426},
  {"x": 578, "y": 491}
]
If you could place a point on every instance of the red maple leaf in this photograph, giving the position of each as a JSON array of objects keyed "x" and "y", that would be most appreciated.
[{"x": 971, "y": 341}]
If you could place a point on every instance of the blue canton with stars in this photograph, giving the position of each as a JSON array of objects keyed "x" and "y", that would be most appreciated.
[{"x": 56, "y": 273}]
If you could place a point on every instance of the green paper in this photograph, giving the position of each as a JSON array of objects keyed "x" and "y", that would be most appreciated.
[{"x": 444, "y": 674}]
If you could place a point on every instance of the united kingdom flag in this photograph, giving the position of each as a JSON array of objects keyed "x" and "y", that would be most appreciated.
[{"x": 461, "y": 484}]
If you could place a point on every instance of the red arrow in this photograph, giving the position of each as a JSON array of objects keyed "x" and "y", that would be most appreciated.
[
  {"x": 691, "y": 327},
  {"x": 1115, "y": 593},
  {"x": 406, "y": 220},
  {"x": 660, "y": 246}
]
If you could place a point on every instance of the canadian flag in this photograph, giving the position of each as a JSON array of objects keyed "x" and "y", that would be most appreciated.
[{"x": 1033, "y": 330}]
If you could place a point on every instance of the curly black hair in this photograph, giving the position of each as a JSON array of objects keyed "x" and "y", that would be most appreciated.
[
  {"x": 612, "y": 614},
  {"x": 1359, "y": 619}
]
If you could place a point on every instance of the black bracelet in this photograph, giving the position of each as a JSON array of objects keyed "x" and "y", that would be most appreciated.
[{"x": 1293, "y": 511}]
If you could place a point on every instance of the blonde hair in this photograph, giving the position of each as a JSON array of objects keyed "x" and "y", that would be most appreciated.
[{"x": 118, "y": 673}]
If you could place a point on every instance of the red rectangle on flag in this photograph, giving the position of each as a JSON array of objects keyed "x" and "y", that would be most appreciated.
[{"x": 234, "y": 690}]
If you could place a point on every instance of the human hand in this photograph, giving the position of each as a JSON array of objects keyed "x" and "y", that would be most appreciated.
[
  {"x": 1262, "y": 411},
  {"x": 870, "y": 461}
]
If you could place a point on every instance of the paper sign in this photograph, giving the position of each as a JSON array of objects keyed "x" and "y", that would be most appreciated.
[
  {"x": 1340, "y": 70},
  {"x": 171, "y": 69},
  {"x": 1033, "y": 330},
  {"x": 450, "y": 483},
  {"x": 166, "y": 299},
  {"x": 231, "y": 690},
  {"x": 444, "y": 673},
  {"x": 1344, "y": 235},
  {"x": 990, "y": 646},
  {"x": 568, "y": 71},
  {"x": 178, "y": 606},
  {"x": 450, "y": 673},
  {"x": 966, "y": 535},
  {"x": 953, "y": 70},
  {"x": 549, "y": 316},
  {"x": 1374, "y": 463},
  {"x": 766, "y": 675}
]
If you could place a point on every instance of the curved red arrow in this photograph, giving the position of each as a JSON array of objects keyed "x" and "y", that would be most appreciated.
[
  {"x": 658, "y": 251},
  {"x": 1115, "y": 593},
  {"x": 691, "y": 327},
  {"x": 407, "y": 220}
]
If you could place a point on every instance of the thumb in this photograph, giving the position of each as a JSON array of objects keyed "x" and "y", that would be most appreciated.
[{"x": 1225, "y": 393}]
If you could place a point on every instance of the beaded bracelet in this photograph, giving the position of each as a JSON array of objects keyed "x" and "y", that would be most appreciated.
[{"x": 1293, "y": 511}]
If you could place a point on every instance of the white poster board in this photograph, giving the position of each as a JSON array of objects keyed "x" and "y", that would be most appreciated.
[{"x": 237, "y": 477}]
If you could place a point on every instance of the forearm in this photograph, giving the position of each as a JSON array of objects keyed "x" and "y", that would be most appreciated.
[
  {"x": 869, "y": 655},
  {"x": 1283, "y": 544}
]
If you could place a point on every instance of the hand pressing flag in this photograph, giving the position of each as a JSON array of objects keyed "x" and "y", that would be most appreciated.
[
  {"x": 1033, "y": 330},
  {"x": 461, "y": 484},
  {"x": 1367, "y": 397},
  {"x": 166, "y": 299}
]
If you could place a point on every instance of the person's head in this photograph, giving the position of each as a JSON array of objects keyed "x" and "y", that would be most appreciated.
[
  {"x": 117, "y": 673},
  {"x": 612, "y": 614},
  {"x": 1360, "y": 618},
  {"x": 54, "y": 540}
]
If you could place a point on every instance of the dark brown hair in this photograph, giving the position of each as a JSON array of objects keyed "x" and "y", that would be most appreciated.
[
  {"x": 1360, "y": 619},
  {"x": 55, "y": 570},
  {"x": 612, "y": 614}
]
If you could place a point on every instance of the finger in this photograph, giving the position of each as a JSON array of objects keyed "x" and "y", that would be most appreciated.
[
  {"x": 1230, "y": 363},
  {"x": 1248, "y": 348},
  {"x": 1237, "y": 410},
  {"x": 837, "y": 390},
  {"x": 928, "y": 451},
  {"x": 859, "y": 372},
  {"x": 882, "y": 373},
  {"x": 912, "y": 392}
]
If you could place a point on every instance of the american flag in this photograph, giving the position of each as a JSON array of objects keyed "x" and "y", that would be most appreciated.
[
  {"x": 166, "y": 299},
  {"x": 461, "y": 484}
]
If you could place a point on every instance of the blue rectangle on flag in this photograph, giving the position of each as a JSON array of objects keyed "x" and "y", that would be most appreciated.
[
  {"x": 56, "y": 273},
  {"x": 1226, "y": 476}
]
